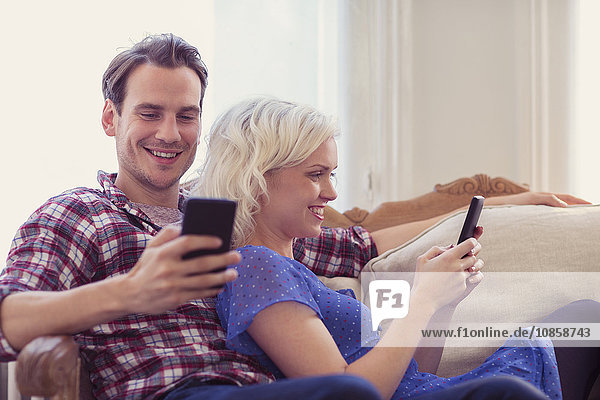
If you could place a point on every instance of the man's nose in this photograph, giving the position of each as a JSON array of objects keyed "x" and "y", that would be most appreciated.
[{"x": 168, "y": 130}]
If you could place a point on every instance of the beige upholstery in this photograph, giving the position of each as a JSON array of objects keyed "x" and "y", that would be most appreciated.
[{"x": 525, "y": 242}]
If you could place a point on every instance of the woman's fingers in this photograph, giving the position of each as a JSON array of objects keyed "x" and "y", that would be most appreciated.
[
  {"x": 475, "y": 267},
  {"x": 475, "y": 279},
  {"x": 478, "y": 232},
  {"x": 465, "y": 248},
  {"x": 435, "y": 251}
]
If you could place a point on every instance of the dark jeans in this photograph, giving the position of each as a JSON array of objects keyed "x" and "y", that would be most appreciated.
[
  {"x": 578, "y": 367},
  {"x": 334, "y": 387},
  {"x": 492, "y": 388},
  {"x": 348, "y": 387}
]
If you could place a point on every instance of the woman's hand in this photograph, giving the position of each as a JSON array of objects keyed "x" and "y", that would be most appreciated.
[
  {"x": 476, "y": 275},
  {"x": 537, "y": 198},
  {"x": 452, "y": 266}
]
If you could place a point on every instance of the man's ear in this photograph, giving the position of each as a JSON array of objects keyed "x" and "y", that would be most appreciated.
[{"x": 109, "y": 117}]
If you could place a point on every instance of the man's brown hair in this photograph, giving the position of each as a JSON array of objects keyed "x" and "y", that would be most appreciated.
[{"x": 164, "y": 50}]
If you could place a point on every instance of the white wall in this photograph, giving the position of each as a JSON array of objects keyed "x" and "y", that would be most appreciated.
[
  {"x": 54, "y": 54},
  {"x": 465, "y": 90},
  {"x": 586, "y": 162},
  {"x": 451, "y": 88}
]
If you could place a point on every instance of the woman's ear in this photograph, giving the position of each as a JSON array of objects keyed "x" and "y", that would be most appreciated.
[{"x": 109, "y": 117}]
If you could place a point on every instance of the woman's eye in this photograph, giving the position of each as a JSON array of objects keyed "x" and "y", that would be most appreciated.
[{"x": 333, "y": 178}]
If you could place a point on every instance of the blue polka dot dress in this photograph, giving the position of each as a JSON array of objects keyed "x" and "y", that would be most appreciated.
[{"x": 266, "y": 278}]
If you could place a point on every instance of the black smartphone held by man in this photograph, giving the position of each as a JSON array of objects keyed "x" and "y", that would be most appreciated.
[
  {"x": 471, "y": 219},
  {"x": 213, "y": 217}
]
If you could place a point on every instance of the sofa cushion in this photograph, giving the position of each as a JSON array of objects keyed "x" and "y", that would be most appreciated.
[{"x": 526, "y": 243}]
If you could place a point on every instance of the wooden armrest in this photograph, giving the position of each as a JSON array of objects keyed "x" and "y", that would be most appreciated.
[
  {"x": 49, "y": 367},
  {"x": 442, "y": 200}
]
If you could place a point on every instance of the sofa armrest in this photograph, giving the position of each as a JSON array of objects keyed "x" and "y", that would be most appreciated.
[{"x": 49, "y": 366}]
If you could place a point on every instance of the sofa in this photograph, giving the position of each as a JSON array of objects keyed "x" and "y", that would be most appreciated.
[{"x": 525, "y": 241}]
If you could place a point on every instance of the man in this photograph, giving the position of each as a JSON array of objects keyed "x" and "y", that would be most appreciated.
[
  {"x": 105, "y": 266},
  {"x": 93, "y": 263}
]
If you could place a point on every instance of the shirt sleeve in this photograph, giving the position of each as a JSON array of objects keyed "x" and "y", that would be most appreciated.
[
  {"x": 52, "y": 251},
  {"x": 337, "y": 251},
  {"x": 265, "y": 278}
]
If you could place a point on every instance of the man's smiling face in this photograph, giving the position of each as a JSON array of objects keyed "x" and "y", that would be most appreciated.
[{"x": 158, "y": 130}]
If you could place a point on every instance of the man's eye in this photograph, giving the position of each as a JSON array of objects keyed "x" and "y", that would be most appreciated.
[
  {"x": 149, "y": 115},
  {"x": 187, "y": 118}
]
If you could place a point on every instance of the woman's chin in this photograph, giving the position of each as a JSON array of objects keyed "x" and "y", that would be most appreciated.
[
  {"x": 317, "y": 231},
  {"x": 311, "y": 234}
]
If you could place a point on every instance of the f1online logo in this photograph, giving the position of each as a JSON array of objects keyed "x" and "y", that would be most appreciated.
[{"x": 389, "y": 299}]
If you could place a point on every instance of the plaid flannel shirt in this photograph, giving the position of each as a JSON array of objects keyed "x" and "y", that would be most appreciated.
[{"x": 86, "y": 235}]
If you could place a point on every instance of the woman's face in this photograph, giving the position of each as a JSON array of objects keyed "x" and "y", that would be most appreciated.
[{"x": 298, "y": 195}]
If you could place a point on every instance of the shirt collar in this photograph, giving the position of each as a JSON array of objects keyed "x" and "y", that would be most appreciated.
[{"x": 118, "y": 198}]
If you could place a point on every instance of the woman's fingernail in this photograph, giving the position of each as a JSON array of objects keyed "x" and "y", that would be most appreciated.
[{"x": 231, "y": 273}]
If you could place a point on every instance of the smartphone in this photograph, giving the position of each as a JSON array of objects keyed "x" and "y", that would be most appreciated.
[
  {"x": 213, "y": 217},
  {"x": 471, "y": 219}
]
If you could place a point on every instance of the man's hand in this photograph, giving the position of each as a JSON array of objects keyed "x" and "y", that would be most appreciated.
[
  {"x": 162, "y": 281},
  {"x": 159, "y": 281},
  {"x": 536, "y": 198}
]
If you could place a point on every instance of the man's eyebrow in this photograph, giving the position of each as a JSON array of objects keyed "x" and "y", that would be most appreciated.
[
  {"x": 194, "y": 109},
  {"x": 151, "y": 106},
  {"x": 148, "y": 106}
]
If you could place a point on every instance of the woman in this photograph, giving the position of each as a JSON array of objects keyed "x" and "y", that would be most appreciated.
[{"x": 277, "y": 160}]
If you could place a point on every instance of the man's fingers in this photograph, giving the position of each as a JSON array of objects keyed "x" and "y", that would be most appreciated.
[
  {"x": 205, "y": 264},
  {"x": 556, "y": 201},
  {"x": 570, "y": 199},
  {"x": 183, "y": 244},
  {"x": 165, "y": 235},
  {"x": 207, "y": 281},
  {"x": 198, "y": 242},
  {"x": 177, "y": 245}
]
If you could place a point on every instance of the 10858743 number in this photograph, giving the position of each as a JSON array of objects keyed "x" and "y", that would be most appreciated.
[{"x": 562, "y": 332}]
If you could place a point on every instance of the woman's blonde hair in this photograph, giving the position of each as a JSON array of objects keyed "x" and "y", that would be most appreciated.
[{"x": 252, "y": 138}]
